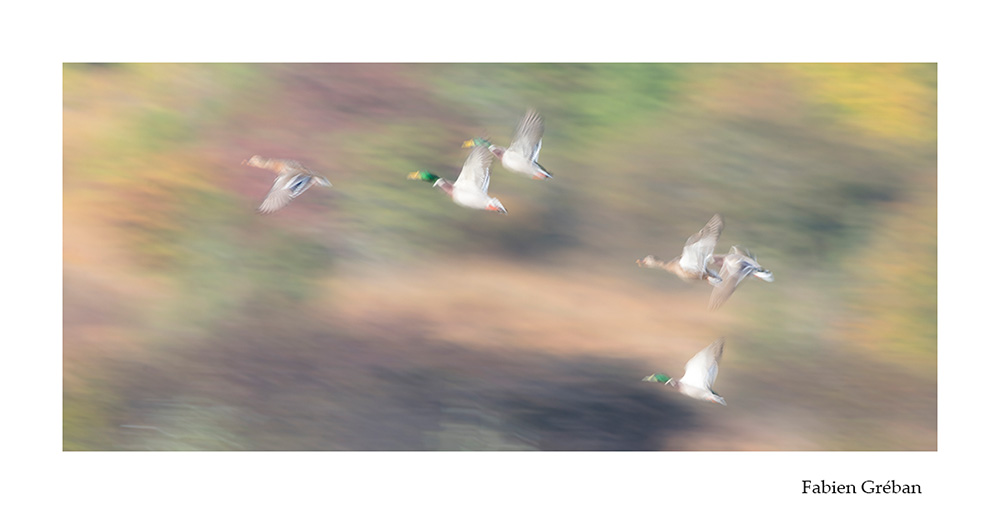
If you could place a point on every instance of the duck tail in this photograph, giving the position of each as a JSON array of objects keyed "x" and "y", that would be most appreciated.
[
  {"x": 764, "y": 274},
  {"x": 541, "y": 173}
]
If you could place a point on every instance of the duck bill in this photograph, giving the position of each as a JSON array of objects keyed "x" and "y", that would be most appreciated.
[
  {"x": 414, "y": 176},
  {"x": 466, "y": 144}
]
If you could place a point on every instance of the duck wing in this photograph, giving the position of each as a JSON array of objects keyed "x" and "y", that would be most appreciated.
[
  {"x": 527, "y": 139},
  {"x": 701, "y": 370},
  {"x": 279, "y": 195},
  {"x": 699, "y": 247},
  {"x": 734, "y": 270},
  {"x": 475, "y": 173}
]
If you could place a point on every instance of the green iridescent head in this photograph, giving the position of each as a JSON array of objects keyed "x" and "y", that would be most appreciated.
[
  {"x": 423, "y": 175},
  {"x": 659, "y": 378},
  {"x": 476, "y": 142}
]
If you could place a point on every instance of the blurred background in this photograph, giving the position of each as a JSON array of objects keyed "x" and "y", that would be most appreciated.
[{"x": 378, "y": 315}]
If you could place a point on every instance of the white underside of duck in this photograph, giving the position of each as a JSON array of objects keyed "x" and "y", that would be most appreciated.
[
  {"x": 518, "y": 163},
  {"x": 470, "y": 197},
  {"x": 699, "y": 393}
]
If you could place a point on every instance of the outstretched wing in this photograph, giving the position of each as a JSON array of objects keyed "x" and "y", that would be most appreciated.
[
  {"x": 698, "y": 248},
  {"x": 534, "y": 154},
  {"x": 528, "y": 136},
  {"x": 278, "y": 197},
  {"x": 702, "y": 369},
  {"x": 476, "y": 171},
  {"x": 734, "y": 269},
  {"x": 287, "y": 187}
]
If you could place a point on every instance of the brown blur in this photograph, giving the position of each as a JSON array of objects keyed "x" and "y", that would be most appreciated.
[{"x": 379, "y": 315}]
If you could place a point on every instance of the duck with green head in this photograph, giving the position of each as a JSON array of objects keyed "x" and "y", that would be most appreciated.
[
  {"x": 471, "y": 187},
  {"x": 699, "y": 375},
  {"x": 693, "y": 262},
  {"x": 738, "y": 264},
  {"x": 292, "y": 180},
  {"x": 522, "y": 154}
]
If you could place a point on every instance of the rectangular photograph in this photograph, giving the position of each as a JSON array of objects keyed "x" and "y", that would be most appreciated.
[{"x": 385, "y": 257}]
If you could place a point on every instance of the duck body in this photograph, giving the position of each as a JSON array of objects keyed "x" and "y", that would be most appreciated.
[
  {"x": 292, "y": 180},
  {"x": 521, "y": 156},
  {"x": 518, "y": 163},
  {"x": 692, "y": 264},
  {"x": 699, "y": 375},
  {"x": 471, "y": 187},
  {"x": 735, "y": 266}
]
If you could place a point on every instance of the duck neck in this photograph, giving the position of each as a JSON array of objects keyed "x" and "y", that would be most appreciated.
[
  {"x": 673, "y": 265},
  {"x": 445, "y": 186}
]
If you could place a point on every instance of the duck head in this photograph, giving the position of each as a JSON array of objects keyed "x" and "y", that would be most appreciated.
[
  {"x": 478, "y": 141},
  {"x": 255, "y": 160},
  {"x": 659, "y": 378},
  {"x": 497, "y": 151},
  {"x": 426, "y": 176},
  {"x": 649, "y": 261}
]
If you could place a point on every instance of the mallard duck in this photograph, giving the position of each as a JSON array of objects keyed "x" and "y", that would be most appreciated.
[
  {"x": 471, "y": 186},
  {"x": 522, "y": 154},
  {"x": 738, "y": 264},
  {"x": 692, "y": 265},
  {"x": 699, "y": 374},
  {"x": 293, "y": 179}
]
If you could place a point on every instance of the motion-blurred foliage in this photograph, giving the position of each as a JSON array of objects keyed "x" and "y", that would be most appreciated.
[{"x": 826, "y": 171}]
